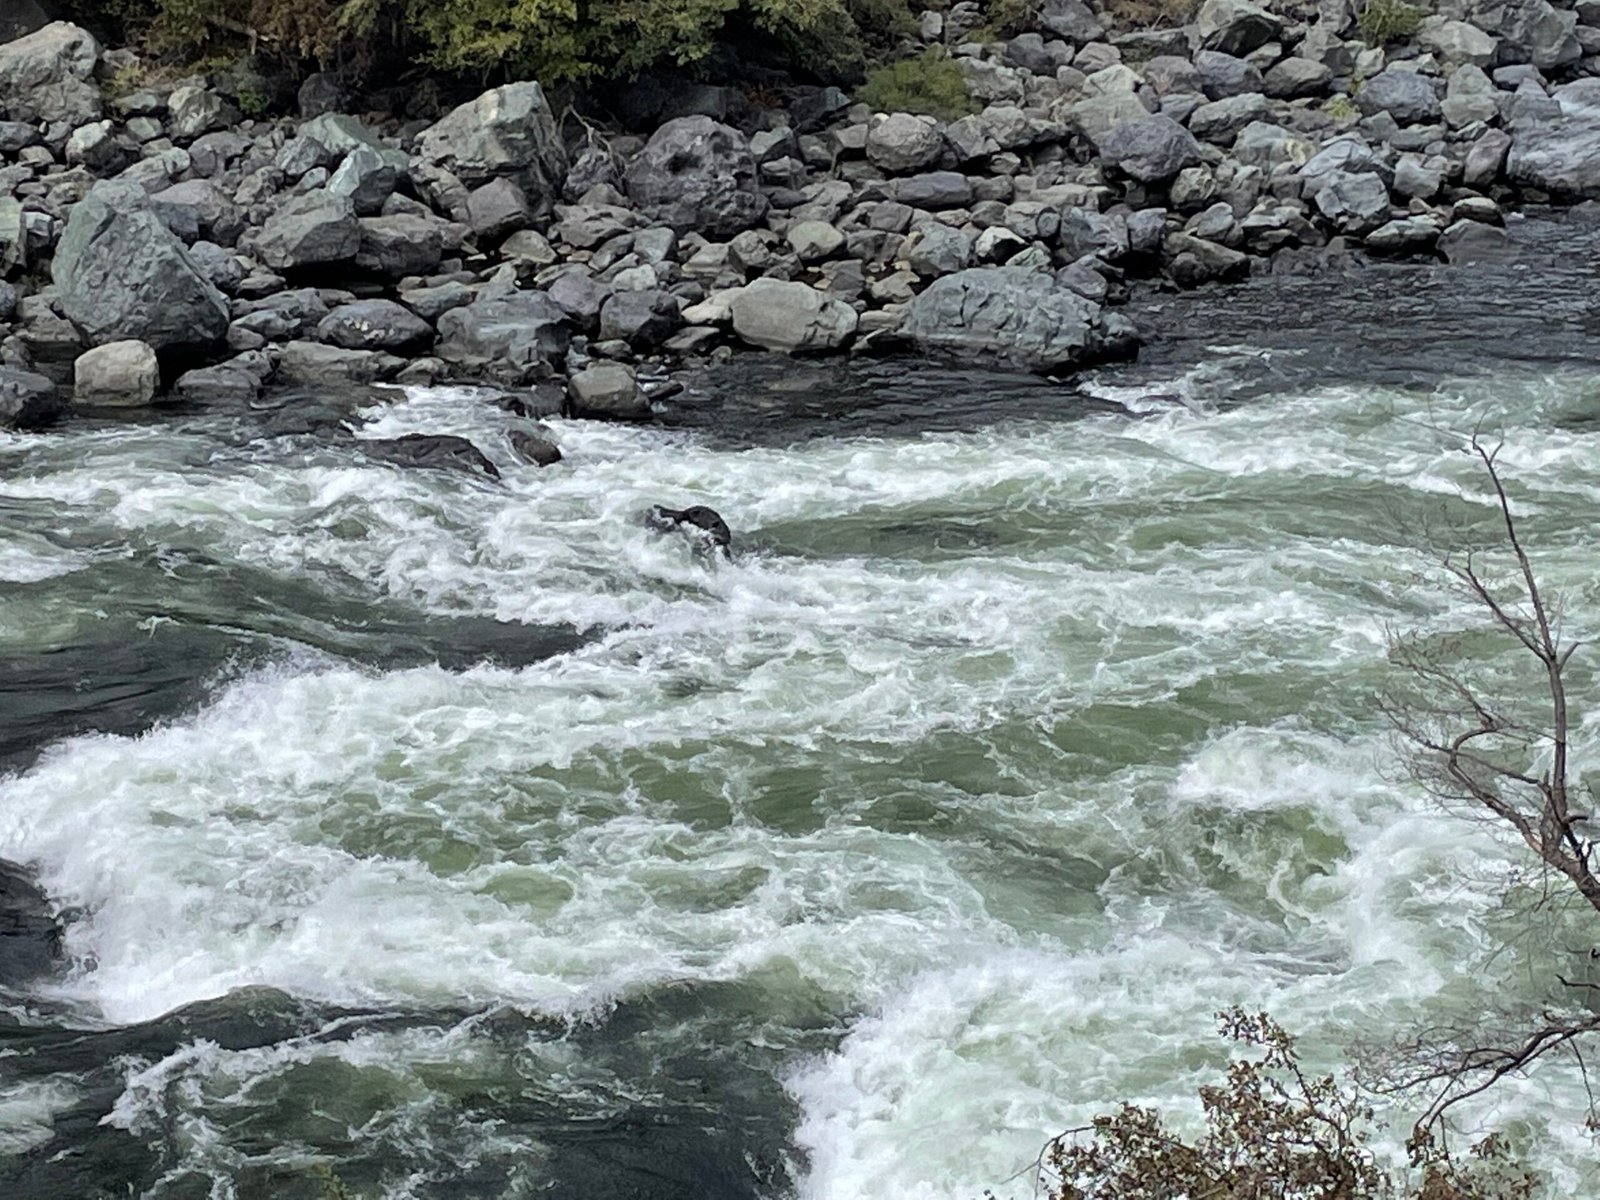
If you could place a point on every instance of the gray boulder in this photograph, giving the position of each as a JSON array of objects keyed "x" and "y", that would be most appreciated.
[
  {"x": 901, "y": 144},
  {"x": 1408, "y": 97},
  {"x": 1072, "y": 20},
  {"x": 790, "y": 317},
  {"x": 27, "y": 401},
  {"x": 1559, "y": 155},
  {"x": 1486, "y": 159},
  {"x": 1530, "y": 31},
  {"x": 607, "y": 390},
  {"x": 217, "y": 217},
  {"x": 311, "y": 230},
  {"x": 341, "y": 134},
  {"x": 642, "y": 319},
  {"x": 524, "y": 331},
  {"x": 122, "y": 274},
  {"x": 1294, "y": 78},
  {"x": 1150, "y": 149},
  {"x": 315, "y": 364},
  {"x": 1223, "y": 75},
  {"x": 1235, "y": 26},
  {"x": 390, "y": 248},
  {"x": 365, "y": 178},
  {"x": 497, "y": 209},
  {"x": 374, "y": 325},
  {"x": 1355, "y": 203},
  {"x": 509, "y": 131},
  {"x": 697, "y": 174},
  {"x": 1017, "y": 317},
  {"x": 1220, "y": 120},
  {"x": 192, "y": 111},
  {"x": 937, "y": 250},
  {"x": 117, "y": 374},
  {"x": 934, "y": 190},
  {"x": 49, "y": 76}
]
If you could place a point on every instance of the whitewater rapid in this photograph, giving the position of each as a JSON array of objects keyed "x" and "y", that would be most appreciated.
[{"x": 999, "y": 760}]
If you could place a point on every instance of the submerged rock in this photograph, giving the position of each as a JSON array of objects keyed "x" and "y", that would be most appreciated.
[
  {"x": 711, "y": 531},
  {"x": 432, "y": 450}
]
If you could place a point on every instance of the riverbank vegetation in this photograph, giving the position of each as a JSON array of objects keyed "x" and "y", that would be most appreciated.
[{"x": 556, "y": 41}]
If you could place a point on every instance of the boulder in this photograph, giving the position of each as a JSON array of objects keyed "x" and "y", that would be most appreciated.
[
  {"x": 1072, "y": 20},
  {"x": 27, "y": 401},
  {"x": 1486, "y": 159},
  {"x": 1560, "y": 155},
  {"x": 1220, "y": 120},
  {"x": 315, "y": 364},
  {"x": 365, "y": 178},
  {"x": 192, "y": 111},
  {"x": 122, "y": 274},
  {"x": 537, "y": 448},
  {"x": 374, "y": 325},
  {"x": 608, "y": 390},
  {"x": 1406, "y": 96},
  {"x": 1456, "y": 42},
  {"x": 341, "y": 134},
  {"x": 1150, "y": 149},
  {"x": 902, "y": 144},
  {"x": 643, "y": 319},
  {"x": 509, "y": 132},
  {"x": 790, "y": 317},
  {"x": 697, "y": 174},
  {"x": 525, "y": 331},
  {"x": 1530, "y": 31},
  {"x": 1017, "y": 317},
  {"x": 934, "y": 190},
  {"x": 814, "y": 241},
  {"x": 215, "y": 216},
  {"x": 497, "y": 209},
  {"x": 1223, "y": 75},
  {"x": 1355, "y": 203},
  {"x": 315, "y": 229},
  {"x": 49, "y": 76},
  {"x": 938, "y": 249},
  {"x": 390, "y": 248},
  {"x": 117, "y": 374},
  {"x": 441, "y": 451},
  {"x": 1235, "y": 26},
  {"x": 1294, "y": 78},
  {"x": 1263, "y": 145}
]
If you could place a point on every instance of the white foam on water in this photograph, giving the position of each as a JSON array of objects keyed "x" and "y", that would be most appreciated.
[
  {"x": 696, "y": 794},
  {"x": 28, "y": 1109}
]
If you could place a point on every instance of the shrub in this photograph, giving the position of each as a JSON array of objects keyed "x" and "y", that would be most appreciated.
[
  {"x": 1271, "y": 1133},
  {"x": 1384, "y": 21},
  {"x": 930, "y": 84},
  {"x": 1341, "y": 108},
  {"x": 552, "y": 40}
]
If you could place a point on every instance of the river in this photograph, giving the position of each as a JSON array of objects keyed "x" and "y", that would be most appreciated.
[{"x": 418, "y": 835}]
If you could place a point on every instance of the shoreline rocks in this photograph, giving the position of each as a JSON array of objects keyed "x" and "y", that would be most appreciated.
[{"x": 493, "y": 244}]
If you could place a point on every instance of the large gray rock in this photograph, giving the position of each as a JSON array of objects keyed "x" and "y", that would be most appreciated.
[
  {"x": 217, "y": 217},
  {"x": 1558, "y": 154},
  {"x": 374, "y": 325},
  {"x": 1235, "y": 26},
  {"x": 1220, "y": 120},
  {"x": 790, "y": 317},
  {"x": 119, "y": 374},
  {"x": 608, "y": 390},
  {"x": 938, "y": 249},
  {"x": 1150, "y": 148},
  {"x": 1223, "y": 75},
  {"x": 1294, "y": 78},
  {"x": 934, "y": 190},
  {"x": 366, "y": 179},
  {"x": 1017, "y": 317},
  {"x": 508, "y": 131},
  {"x": 404, "y": 244},
  {"x": 193, "y": 110},
  {"x": 27, "y": 401},
  {"x": 1406, "y": 96},
  {"x": 311, "y": 230},
  {"x": 1355, "y": 203},
  {"x": 697, "y": 174},
  {"x": 1072, "y": 20},
  {"x": 642, "y": 319},
  {"x": 1457, "y": 42},
  {"x": 49, "y": 76},
  {"x": 122, "y": 274},
  {"x": 901, "y": 143},
  {"x": 1530, "y": 31},
  {"x": 523, "y": 331}
]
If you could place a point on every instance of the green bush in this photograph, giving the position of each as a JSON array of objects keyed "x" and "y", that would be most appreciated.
[
  {"x": 552, "y": 40},
  {"x": 930, "y": 84},
  {"x": 1384, "y": 21}
]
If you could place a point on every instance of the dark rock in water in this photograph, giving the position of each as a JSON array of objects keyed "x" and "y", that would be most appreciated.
[
  {"x": 432, "y": 450},
  {"x": 30, "y": 939},
  {"x": 714, "y": 532},
  {"x": 27, "y": 401},
  {"x": 535, "y": 448}
]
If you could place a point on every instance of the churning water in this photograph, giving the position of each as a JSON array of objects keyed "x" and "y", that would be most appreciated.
[{"x": 489, "y": 845}]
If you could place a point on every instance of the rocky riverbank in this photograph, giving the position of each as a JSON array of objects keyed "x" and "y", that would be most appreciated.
[{"x": 157, "y": 244}]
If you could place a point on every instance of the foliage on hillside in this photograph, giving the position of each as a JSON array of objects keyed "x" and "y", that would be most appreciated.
[{"x": 554, "y": 40}]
